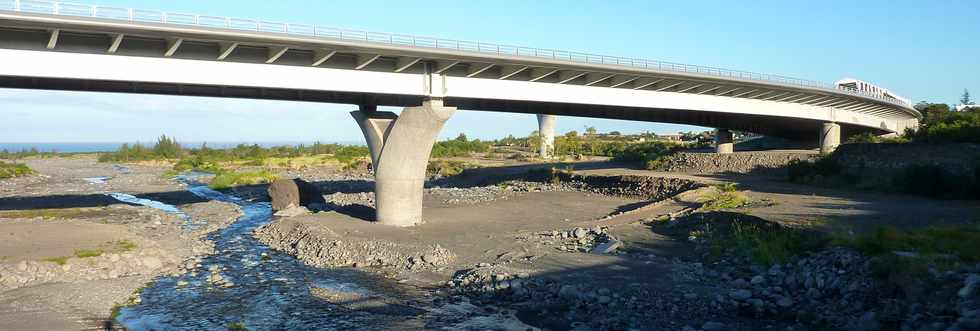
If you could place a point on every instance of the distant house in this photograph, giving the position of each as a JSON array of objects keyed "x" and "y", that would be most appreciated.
[
  {"x": 965, "y": 107},
  {"x": 670, "y": 137}
]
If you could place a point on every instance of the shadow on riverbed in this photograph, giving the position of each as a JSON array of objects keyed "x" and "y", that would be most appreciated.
[{"x": 91, "y": 200}]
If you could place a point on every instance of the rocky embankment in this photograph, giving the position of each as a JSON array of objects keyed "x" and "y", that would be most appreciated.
[
  {"x": 767, "y": 162},
  {"x": 324, "y": 248}
]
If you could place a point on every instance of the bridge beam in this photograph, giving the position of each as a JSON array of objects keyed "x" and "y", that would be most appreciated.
[
  {"x": 400, "y": 146},
  {"x": 546, "y": 130},
  {"x": 724, "y": 141},
  {"x": 829, "y": 137}
]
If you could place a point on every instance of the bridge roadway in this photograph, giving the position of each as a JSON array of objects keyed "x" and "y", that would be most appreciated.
[{"x": 61, "y": 46}]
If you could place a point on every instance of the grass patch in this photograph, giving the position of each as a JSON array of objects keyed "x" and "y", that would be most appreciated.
[
  {"x": 725, "y": 197},
  {"x": 117, "y": 246},
  {"x": 930, "y": 243},
  {"x": 84, "y": 253},
  {"x": 59, "y": 260},
  {"x": 11, "y": 170},
  {"x": 446, "y": 168},
  {"x": 233, "y": 178},
  {"x": 124, "y": 245},
  {"x": 236, "y": 326},
  {"x": 769, "y": 243}
]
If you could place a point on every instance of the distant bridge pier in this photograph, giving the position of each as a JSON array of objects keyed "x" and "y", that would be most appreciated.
[
  {"x": 829, "y": 137},
  {"x": 724, "y": 141},
  {"x": 546, "y": 129},
  {"x": 400, "y": 146}
]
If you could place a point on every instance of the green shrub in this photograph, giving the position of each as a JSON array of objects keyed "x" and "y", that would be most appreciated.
[
  {"x": 445, "y": 168},
  {"x": 726, "y": 197},
  {"x": 768, "y": 243},
  {"x": 461, "y": 146},
  {"x": 870, "y": 138},
  {"x": 10, "y": 170},
  {"x": 940, "y": 125},
  {"x": 200, "y": 163},
  {"x": 236, "y": 326},
  {"x": 958, "y": 241},
  {"x": 348, "y": 154},
  {"x": 231, "y": 178}
]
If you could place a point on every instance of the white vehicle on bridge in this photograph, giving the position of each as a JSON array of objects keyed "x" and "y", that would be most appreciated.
[{"x": 865, "y": 87}]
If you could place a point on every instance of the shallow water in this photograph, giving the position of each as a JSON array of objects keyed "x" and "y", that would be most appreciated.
[{"x": 270, "y": 291}]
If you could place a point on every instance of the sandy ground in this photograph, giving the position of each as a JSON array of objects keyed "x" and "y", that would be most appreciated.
[{"x": 57, "y": 213}]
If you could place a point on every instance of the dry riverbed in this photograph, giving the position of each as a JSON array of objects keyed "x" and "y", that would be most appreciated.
[
  {"x": 638, "y": 252},
  {"x": 70, "y": 253},
  {"x": 598, "y": 249}
]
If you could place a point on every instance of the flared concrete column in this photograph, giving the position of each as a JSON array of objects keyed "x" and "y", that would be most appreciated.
[
  {"x": 400, "y": 146},
  {"x": 546, "y": 129},
  {"x": 375, "y": 126},
  {"x": 829, "y": 138},
  {"x": 724, "y": 141}
]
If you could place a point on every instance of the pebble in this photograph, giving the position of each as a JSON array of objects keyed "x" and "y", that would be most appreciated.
[
  {"x": 741, "y": 294},
  {"x": 712, "y": 326}
]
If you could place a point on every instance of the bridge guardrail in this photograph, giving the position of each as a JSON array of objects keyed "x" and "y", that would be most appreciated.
[{"x": 153, "y": 16}]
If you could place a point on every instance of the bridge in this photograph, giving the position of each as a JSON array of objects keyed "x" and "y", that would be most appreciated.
[{"x": 65, "y": 46}]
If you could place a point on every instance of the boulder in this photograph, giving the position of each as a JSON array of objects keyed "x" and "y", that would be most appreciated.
[{"x": 287, "y": 193}]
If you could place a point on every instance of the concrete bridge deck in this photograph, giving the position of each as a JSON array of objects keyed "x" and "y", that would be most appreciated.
[{"x": 52, "y": 45}]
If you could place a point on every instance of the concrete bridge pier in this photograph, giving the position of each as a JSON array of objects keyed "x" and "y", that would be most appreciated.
[
  {"x": 724, "y": 141},
  {"x": 400, "y": 146},
  {"x": 546, "y": 129},
  {"x": 829, "y": 137}
]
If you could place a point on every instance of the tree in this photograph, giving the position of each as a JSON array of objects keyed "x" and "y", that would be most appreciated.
[
  {"x": 932, "y": 112},
  {"x": 965, "y": 99},
  {"x": 590, "y": 130},
  {"x": 462, "y": 138}
]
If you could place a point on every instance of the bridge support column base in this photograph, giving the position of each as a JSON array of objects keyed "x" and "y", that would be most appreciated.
[
  {"x": 724, "y": 141},
  {"x": 400, "y": 146},
  {"x": 829, "y": 138},
  {"x": 546, "y": 130}
]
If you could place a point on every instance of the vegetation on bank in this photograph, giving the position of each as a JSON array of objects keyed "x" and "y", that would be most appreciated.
[
  {"x": 460, "y": 146},
  {"x": 447, "y": 168},
  {"x": 11, "y": 170},
  {"x": 119, "y": 246},
  {"x": 206, "y": 158},
  {"x": 894, "y": 251},
  {"x": 226, "y": 179},
  {"x": 726, "y": 196},
  {"x": 918, "y": 179},
  {"x": 224, "y": 162},
  {"x": 940, "y": 242},
  {"x": 26, "y": 153}
]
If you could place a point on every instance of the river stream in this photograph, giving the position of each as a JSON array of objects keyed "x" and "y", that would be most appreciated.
[{"x": 259, "y": 288}]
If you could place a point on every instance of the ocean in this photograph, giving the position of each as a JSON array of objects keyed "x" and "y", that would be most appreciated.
[{"x": 111, "y": 146}]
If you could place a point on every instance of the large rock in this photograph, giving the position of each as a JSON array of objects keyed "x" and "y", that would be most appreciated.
[{"x": 288, "y": 193}]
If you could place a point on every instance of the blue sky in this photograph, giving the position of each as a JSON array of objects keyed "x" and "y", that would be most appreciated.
[{"x": 923, "y": 50}]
